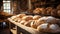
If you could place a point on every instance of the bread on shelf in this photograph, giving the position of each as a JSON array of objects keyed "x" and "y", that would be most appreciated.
[
  {"x": 27, "y": 18},
  {"x": 58, "y": 12},
  {"x": 42, "y": 27},
  {"x": 28, "y": 23},
  {"x": 36, "y": 17}
]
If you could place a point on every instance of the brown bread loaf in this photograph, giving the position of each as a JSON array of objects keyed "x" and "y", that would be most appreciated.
[{"x": 36, "y": 17}]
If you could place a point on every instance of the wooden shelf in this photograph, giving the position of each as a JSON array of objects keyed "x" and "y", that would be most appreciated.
[
  {"x": 25, "y": 29},
  {"x": 28, "y": 29}
]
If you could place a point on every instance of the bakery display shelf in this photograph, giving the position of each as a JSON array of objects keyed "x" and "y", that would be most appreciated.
[{"x": 25, "y": 28}]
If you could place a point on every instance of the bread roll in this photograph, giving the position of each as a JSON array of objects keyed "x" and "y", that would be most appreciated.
[
  {"x": 43, "y": 18},
  {"x": 49, "y": 9},
  {"x": 13, "y": 17},
  {"x": 42, "y": 27},
  {"x": 38, "y": 10},
  {"x": 58, "y": 12},
  {"x": 51, "y": 20},
  {"x": 22, "y": 22},
  {"x": 54, "y": 27},
  {"x": 28, "y": 23},
  {"x": 17, "y": 19},
  {"x": 33, "y": 25},
  {"x": 27, "y": 18},
  {"x": 54, "y": 12},
  {"x": 36, "y": 17},
  {"x": 58, "y": 7},
  {"x": 21, "y": 15},
  {"x": 36, "y": 23},
  {"x": 43, "y": 11}
]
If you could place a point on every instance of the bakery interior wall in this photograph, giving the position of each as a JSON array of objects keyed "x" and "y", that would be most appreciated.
[
  {"x": 19, "y": 6},
  {"x": 45, "y": 3},
  {"x": 1, "y": 4},
  {"x": 23, "y": 5}
]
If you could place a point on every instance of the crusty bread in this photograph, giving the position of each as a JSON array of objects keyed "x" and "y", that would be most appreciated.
[
  {"x": 58, "y": 7},
  {"x": 21, "y": 15},
  {"x": 13, "y": 17},
  {"x": 58, "y": 12},
  {"x": 49, "y": 9},
  {"x": 27, "y": 18},
  {"x": 28, "y": 23},
  {"x": 38, "y": 10},
  {"x": 36, "y": 17},
  {"x": 51, "y": 20},
  {"x": 43, "y": 27},
  {"x": 33, "y": 25},
  {"x": 53, "y": 26},
  {"x": 22, "y": 22},
  {"x": 54, "y": 12},
  {"x": 36, "y": 23}
]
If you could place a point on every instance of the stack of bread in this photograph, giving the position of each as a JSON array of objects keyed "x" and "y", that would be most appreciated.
[
  {"x": 48, "y": 11},
  {"x": 38, "y": 10},
  {"x": 42, "y": 24}
]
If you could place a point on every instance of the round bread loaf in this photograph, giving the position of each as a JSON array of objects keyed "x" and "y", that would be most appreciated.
[
  {"x": 13, "y": 17},
  {"x": 51, "y": 20},
  {"x": 44, "y": 12},
  {"x": 58, "y": 12},
  {"x": 54, "y": 12},
  {"x": 33, "y": 25},
  {"x": 22, "y": 22},
  {"x": 38, "y": 11},
  {"x": 43, "y": 18},
  {"x": 27, "y": 18},
  {"x": 36, "y": 23},
  {"x": 16, "y": 19},
  {"x": 28, "y": 23},
  {"x": 21, "y": 15},
  {"x": 54, "y": 27},
  {"x": 49, "y": 9},
  {"x": 36, "y": 17},
  {"x": 42, "y": 27},
  {"x": 58, "y": 7}
]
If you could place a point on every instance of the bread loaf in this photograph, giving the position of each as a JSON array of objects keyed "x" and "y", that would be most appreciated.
[
  {"x": 44, "y": 12},
  {"x": 42, "y": 27},
  {"x": 51, "y": 20},
  {"x": 58, "y": 7},
  {"x": 38, "y": 10},
  {"x": 58, "y": 12},
  {"x": 54, "y": 12},
  {"x": 27, "y": 18},
  {"x": 49, "y": 9},
  {"x": 22, "y": 22},
  {"x": 36, "y": 17},
  {"x": 13, "y": 17},
  {"x": 33, "y": 24},
  {"x": 54, "y": 27},
  {"x": 36, "y": 23},
  {"x": 20, "y": 15},
  {"x": 28, "y": 23}
]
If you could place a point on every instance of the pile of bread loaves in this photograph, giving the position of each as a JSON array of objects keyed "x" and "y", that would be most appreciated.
[
  {"x": 42, "y": 24},
  {"x": 48, "y": 11}
]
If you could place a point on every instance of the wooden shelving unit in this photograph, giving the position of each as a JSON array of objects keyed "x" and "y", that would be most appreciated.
[{"x": 27, "y": 30}]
